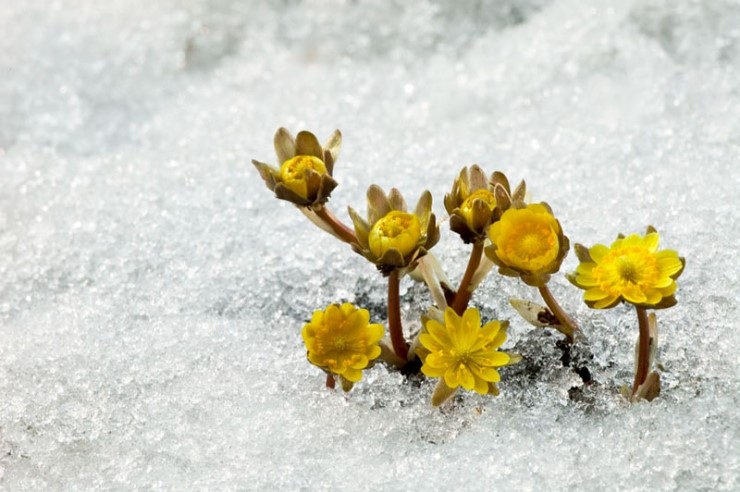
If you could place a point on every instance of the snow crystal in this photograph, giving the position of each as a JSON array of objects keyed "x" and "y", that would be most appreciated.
[{"x": 152, "y": 291}]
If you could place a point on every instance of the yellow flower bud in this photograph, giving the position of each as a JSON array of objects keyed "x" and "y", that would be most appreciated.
[
  {"x": 294, "y": 174},
  {"x": 396, "y": 230},
  {"x": 393, "y": 238},
  {"x": 304, "y": 176},
  {"x": 475, "y": 202},
  {"x": 467, "y": 208}
]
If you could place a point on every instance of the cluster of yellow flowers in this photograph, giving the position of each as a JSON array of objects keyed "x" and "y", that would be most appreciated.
[{"x": 521, "y": 239}]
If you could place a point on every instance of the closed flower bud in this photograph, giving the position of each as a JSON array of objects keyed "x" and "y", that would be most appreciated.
[
  {"x": 474, "y": 202},
  {"x": 392, "y": 237},
  {"x": 305, "y": 173}
]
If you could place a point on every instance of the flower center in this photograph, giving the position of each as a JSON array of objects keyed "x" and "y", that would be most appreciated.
[
  {"x": 295, "y": 168},
  {"x": 397, "y": 230},
  {"x": 463, "y": 357},
  {"x": 294, "y": 174},
  {"x": 340, "y": 343},
  {"x": 626, "y": 269},
  {"x": 532, "y": 245},
  {"x": 634, "y": 265}
]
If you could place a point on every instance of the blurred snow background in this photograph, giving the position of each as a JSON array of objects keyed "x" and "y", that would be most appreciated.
[{"x": 152, "y": 291}]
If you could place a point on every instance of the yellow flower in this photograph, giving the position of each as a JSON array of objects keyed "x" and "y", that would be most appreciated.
[
  {"x": 480, "y": 199},
  {"x": 341, "y": 341},
  {"x": 474, "y": 202},
  {"x": 305, "y": 173},
  {"x": 529, "y": 243},
  {"x": 296, "y": 171},
  {"x": 399, "y": 230},
  {"x": 462, "y": 353},
  {"x": 393, "y": 238},
  {"x": 631, "y": 269}
]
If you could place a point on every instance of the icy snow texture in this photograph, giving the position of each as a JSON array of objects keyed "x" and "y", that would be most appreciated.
[{"x": 152, "y": 291}]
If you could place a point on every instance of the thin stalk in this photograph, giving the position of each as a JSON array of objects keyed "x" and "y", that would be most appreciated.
[
  {"x": 330, "y": 381},
  {"x": 643, "y": 352},
  {"x": 462, "y": 298},
  {"x": 400, "y": 347},
  {"x": 342, "y": 231},
  {"x": 567, "y": 326}
]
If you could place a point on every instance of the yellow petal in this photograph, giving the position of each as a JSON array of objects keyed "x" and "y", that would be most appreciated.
[
  {"x": 492, "y": 359},
  {"x": 374, "y": 333},
  {"x": 653, "y": 296},
  {"x": 594, "y": 294},
  {"x": 451, "y": 318},
  {"x": 353, "y": 375},
  {"x": 438, "y": 331},
  {"x": 359, "y": 362},
  {"x": 433, "y": 372},
  {"x": 481, "y": 386},
  {"x": 670, "y": 290},
  {"x": 374, "y": 352},
  {"x": 668, "y": 262},
  {"x": 430, "y": 343},
  {"x": 605, "y": 302},
  {"x": 634, "y": 294},
  {"x": 498, "y": 340},
  {"x": 471, "y": 320},
  {"x": 465, "y": 377},
  {"x": 333, "y": 316},
  {"x": 486, "y": 374},
  {"x": 651, "y": 241},
  {"x": 598, "y": 252}
]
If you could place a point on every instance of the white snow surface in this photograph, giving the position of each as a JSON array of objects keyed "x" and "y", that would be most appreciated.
[{"x": 152, "y": 290}]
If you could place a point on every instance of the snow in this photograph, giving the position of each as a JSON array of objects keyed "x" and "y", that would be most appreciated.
[{"x": 152, "y": 291}]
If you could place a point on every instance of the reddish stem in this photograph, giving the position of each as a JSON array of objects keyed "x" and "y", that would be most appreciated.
[
  {"x": 643, "y": 351},
  {"x": 340, "y": 229},
  {"x": 330, "y": 381},
  {"x": 400, "y": 347},
  {"x": 462, "y": 298},
  {"x": 567, "y": 326}
]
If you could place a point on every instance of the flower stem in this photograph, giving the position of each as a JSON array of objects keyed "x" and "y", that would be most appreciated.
[
  {"x": 342, "y": 231},
  {"x": 330, "y": 381},
  {"x": 463, "y": 293},
  {"x": 643, "y": 352},
  {"x": 400, "y": 347},
  {"x": 567, "y": 326}
]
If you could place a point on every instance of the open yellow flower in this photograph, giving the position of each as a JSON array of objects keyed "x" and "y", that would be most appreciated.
[
  {"x": 462, "y": 353},
  {"x": 528, "y": 242},
  {"x": 341, "y": 341},
  {"x": 305, "y": 173},
  {"x": 631, "y": 269},
  {"x": 392, "y": 237},
  {"x": 474, "y": 202}
]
